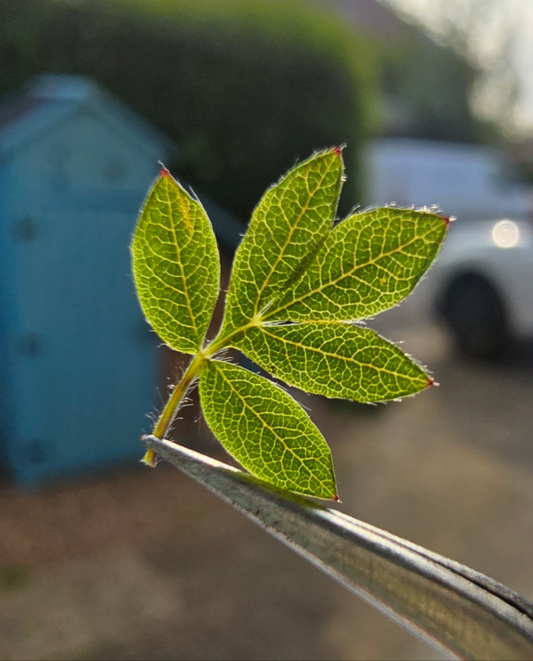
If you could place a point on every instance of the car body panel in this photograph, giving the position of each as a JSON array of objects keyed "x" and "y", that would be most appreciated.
[{"x": 478, "y": 248}]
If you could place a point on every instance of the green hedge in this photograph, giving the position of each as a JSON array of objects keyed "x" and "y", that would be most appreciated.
[{"x": 245, "y": 87}]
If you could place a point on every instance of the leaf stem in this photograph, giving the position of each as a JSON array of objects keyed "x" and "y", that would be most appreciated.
[
  {"x": 222, "y": 340},
  {"x": 169, "y": 412},
  {"x": 172, "y": 405}
]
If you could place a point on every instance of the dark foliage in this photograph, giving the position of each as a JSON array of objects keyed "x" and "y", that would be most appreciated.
[{"x": 241, "y": 106}]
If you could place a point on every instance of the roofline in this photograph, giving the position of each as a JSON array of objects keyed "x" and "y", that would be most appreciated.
[{"x": 100, "y": 103}]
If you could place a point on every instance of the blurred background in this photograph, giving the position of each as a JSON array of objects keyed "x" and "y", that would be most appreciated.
[{"x": 101, "y": 558}]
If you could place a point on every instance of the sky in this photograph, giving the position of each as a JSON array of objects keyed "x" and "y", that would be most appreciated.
[{"x": 497, "y": 19}]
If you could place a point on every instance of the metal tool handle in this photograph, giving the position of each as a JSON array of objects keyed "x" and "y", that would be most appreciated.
[{"x": 461, "y": 612}]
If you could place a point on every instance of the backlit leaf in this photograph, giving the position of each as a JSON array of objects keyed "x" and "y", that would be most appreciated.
[
  {"x": 369, "y": 263},
  {"x": 176, "y": 265},
  {"x": 287, "y": 225},
  {"x": 298, "y": 285},
  {"x": 266, "y": 430},
  {"x": 335, "y": 360}
]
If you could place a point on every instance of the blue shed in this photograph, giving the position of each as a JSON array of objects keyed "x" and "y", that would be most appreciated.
[{"x": 78, "y": 362}]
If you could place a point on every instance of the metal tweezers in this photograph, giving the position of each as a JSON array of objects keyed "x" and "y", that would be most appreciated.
[{"x": 462, "y": 613}]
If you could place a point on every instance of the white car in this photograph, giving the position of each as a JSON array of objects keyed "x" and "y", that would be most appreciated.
[
  {"x": 471, "y": 182},
  {"x": 482, "y": 285}
]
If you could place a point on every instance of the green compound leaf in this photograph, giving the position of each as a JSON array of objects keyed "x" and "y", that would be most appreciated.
[
  {"x": 335, "y": 360},
  {"x": 176, "y": 265},
  {"x": 287, "y": 225},
  {"x": 369, "y": 263},
  {"x": 298, "y": 283},
  {"x": 266, "y": 430}
]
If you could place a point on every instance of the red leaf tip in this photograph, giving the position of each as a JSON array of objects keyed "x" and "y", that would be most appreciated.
[
  {"x": 164, "y": 172},
  {"x": 446, "y": 219},
  {"x": 338, "y": 151},
  {"x": 336, "y": 498},
  {"x": 431, "y": 382}
]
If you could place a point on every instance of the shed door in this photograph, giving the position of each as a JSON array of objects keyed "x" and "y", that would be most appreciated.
[{"x": 85, "y": 360}]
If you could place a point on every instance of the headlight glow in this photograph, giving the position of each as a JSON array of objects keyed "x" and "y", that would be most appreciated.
[{"x": 506, "y": 234}]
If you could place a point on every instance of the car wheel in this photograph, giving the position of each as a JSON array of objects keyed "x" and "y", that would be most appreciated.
[{"x": 475, "y": 314}]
